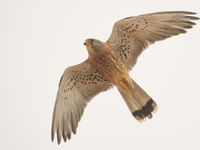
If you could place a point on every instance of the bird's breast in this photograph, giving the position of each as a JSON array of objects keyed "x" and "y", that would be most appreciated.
[{"x": 111, "y": 66}]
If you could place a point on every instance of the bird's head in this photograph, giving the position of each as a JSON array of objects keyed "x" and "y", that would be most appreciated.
[{"x": 93, "y": 45}]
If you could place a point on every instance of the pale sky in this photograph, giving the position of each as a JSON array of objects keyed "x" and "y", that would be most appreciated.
[{"x": 40, "y": 38}]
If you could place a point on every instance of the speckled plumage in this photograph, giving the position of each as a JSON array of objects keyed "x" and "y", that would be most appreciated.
[{"x": 108, "y": 65}]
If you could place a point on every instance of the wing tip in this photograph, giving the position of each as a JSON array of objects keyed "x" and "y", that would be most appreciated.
[
  {"x": 58, "y": 138},
  {"x": 190, "y": 12},
  {"x": 52, "y": 138},
  {"x": 192, "y": 17},
  {"x": 52, "y": 134},
  {"x": 177, "y": 12}
]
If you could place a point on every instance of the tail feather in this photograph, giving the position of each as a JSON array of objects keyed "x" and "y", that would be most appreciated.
[{"x": 138, "y": 101}]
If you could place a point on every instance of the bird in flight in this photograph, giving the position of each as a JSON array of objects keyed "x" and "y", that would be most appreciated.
[{"x": 108, "y": 65}]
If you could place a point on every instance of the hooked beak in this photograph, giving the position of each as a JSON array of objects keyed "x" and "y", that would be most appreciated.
[{"x": 87, "y": 42}]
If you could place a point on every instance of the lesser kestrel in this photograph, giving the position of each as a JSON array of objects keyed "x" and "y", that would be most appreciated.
[{"x": 109, "y": 64}]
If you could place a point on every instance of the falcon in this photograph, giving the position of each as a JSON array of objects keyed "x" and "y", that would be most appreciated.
[{"x": 109, "y": 63}]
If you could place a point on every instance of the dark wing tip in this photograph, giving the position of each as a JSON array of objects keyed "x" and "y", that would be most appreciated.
[
  {"x": 74, "y": 130},
  {"x": 183, "y": 12},
  {"x": 52, "y": 138},
  {"x": 64, "y": 135},
  {"x": 191, "y": 13},
  {"x": 58, "y": 137},
  {"x": 172, "y": 12},
  {"x": 52, "y": 134},
  {"x": 181, "y": 30},
  {"x": 65, "y": 138},
  {"x": 69, "y": 135},
  {"x": 192, "y": 17},
  {"x": 197, "y": 18}
]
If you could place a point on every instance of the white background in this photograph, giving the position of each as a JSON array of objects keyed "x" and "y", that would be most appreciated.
[{"x": 40, "y": 38}]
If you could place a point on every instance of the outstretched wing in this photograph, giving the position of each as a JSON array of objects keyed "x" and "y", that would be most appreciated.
[
  {"x": 78, "y": 85},
  {"x": 130, "y": 36}
]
